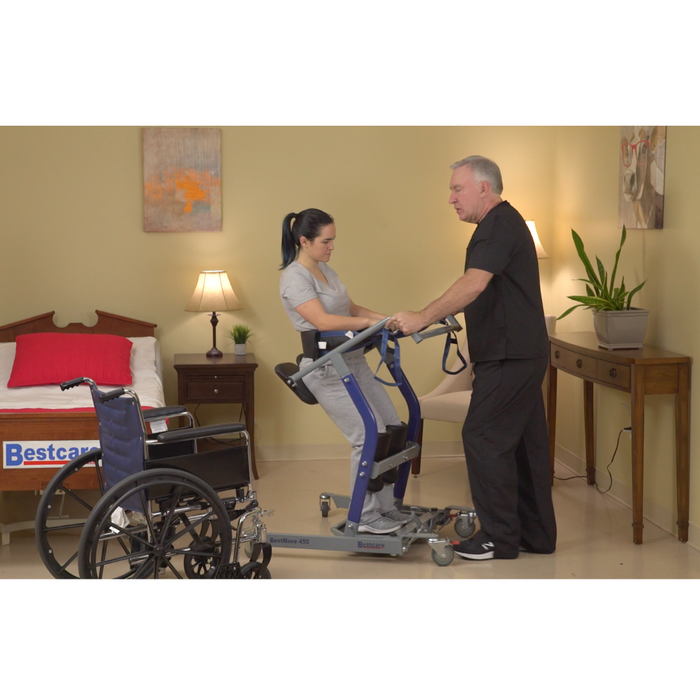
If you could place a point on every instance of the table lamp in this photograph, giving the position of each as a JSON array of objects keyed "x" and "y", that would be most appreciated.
[
  {"x": 213, "y": 293},
  {"x": 550, "y": 321},
  {"x": 541, "y": 252}
]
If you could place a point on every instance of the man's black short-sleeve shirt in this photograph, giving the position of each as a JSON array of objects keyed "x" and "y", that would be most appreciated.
[{"x": 506, "y": 321}]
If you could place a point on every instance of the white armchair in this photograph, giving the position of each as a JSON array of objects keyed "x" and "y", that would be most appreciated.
[{"x": 448, "y": 401}]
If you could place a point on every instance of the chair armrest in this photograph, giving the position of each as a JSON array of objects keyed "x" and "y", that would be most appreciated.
[
  {"x": 164, "y": 412},
  {"x": 201, "y": 432}
]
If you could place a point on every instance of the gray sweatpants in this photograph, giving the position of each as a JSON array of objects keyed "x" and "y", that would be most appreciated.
[{"x": 325, "y": 384}]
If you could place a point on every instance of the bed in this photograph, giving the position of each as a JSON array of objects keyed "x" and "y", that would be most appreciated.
[{"x": 47, "y": 418}]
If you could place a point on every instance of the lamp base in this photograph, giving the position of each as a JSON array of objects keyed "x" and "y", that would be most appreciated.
[{"x": 214, "y": 352}]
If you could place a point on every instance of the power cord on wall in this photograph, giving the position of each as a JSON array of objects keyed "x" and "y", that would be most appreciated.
[{"x": 582, "y": 476}]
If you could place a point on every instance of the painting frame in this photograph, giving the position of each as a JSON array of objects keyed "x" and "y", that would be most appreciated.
[
  {"x": 181, "y": 179},
  {"x": 642, "y": 156}
]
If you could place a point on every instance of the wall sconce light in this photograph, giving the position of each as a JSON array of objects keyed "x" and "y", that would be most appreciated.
[
  {"x": 541, "y": 252},
  {"x": 213, "y": 293}
]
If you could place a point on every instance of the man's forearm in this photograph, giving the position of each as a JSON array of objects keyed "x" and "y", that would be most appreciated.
[{"x": 460, "y": 294}]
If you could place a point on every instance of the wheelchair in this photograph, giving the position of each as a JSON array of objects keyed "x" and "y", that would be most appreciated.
[
  {"x": 165, "y": 510},
  {"x": 385, "y": 456}
]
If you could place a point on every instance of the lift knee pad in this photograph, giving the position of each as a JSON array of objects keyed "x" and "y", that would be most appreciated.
[
  {"x": 382, "y": 452},
  {"x": 377, "y": 484},
  {"x": 398, "y": 434},
  {"x": 391, "y": 476},
  {"x": 383, "y": 446}
]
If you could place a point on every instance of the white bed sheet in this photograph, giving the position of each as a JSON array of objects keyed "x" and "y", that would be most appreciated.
[{"x": 145, "y": 371}]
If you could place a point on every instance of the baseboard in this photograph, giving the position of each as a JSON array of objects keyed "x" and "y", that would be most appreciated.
[
  {"x": 653, "y": 512},
  {"x": 293, "y": 453}
]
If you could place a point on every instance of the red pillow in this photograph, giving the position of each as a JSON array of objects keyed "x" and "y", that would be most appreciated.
[{"x": 52, "y": 358}]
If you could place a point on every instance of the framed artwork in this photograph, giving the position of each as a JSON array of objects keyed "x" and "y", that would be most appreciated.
[
  {"x": 641, "y": 190},
  {"x": 181, "y": 179}
]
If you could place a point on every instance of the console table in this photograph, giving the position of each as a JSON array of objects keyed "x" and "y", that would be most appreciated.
[
  {"x": 214, "y": 380},
  {"x": 637, "y": 372}
]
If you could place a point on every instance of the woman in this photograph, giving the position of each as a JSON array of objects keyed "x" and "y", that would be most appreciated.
[{"x": 315, "y": 299}]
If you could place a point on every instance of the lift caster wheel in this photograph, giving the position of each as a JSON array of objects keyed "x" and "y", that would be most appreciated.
[
  {"x": 444, "y": 559},
  {"x": 464, "y": 527},
  {"x": 325, "y": 509}
]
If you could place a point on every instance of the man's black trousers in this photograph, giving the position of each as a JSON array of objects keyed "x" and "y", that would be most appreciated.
[{"x": 506, "y": 445}]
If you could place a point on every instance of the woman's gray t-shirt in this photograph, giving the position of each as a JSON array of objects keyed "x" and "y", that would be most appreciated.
[{"x": 298, "y": 285}]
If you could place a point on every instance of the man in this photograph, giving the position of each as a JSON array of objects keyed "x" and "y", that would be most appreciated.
[{"x": 505, "y": 433}]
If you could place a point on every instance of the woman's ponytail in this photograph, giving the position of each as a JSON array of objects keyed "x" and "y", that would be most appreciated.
[{"x": 289, "y": 247}]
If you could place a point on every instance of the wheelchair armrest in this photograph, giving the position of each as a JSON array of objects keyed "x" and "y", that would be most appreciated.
[
  {"x": 201, "y": 432},
  {"x": 164, "y": 412}
]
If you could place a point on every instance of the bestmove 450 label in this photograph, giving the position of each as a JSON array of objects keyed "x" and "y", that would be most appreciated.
[{"x": 36, "y": 454}]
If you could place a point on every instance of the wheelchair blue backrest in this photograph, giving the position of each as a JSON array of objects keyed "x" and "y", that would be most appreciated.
[{"x": 122, "y": 435}]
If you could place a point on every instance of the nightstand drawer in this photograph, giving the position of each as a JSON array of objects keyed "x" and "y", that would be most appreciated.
[
  {"x": 615, "y": 374},
  {"x": 573, "y": 362},
  {"x": 200, "y": 389}
]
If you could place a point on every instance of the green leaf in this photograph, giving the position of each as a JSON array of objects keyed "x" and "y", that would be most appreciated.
[
  {"x": 601, "y": 273},
  {"x": 568, "y": 311},
  {"x": 633, "y": 292},
  {"x": 584, "y": 258},
  {"x": 596, "y": 285},
  {"x": 617, "y": 256}
]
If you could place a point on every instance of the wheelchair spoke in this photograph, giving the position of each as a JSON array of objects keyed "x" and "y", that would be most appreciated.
[
  {"x": 172, "y": 525},
  {"x": 70, "y": 561}
]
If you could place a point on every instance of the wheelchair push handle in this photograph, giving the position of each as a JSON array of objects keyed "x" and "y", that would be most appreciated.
[
  {"x": 71, "y": 383},
  {"x": 112, "y": 395},
  {"x": 447, "y": 325}
]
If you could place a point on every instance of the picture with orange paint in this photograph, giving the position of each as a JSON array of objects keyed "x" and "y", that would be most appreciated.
[{"x": 181, "y": 179}]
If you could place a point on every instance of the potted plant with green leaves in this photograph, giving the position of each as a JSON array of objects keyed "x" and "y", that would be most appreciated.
[
  {"x": 240, "y": 334},
  {"x": 617, "y": 323}
]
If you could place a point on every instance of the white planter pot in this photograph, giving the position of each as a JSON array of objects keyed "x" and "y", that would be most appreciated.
[
  {"x": 617, "y": 330},
  {"x": 239, "y": 348}
]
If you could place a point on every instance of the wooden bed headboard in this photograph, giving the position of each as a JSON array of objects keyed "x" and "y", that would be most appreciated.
[
  {"x": 60, "y": 426},
  {"x": 106, "y": 323}
]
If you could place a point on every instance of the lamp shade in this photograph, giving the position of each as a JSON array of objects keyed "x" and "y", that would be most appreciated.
[
  {"x": 541, "y": 252},
  {"x": 213, "y": 293}
]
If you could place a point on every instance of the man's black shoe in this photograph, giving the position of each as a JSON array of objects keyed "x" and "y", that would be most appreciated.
[{"x": 478, "y": 547}]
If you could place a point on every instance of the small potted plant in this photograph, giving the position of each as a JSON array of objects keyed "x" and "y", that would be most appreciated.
[
  {"x": 617, "y": 323},
  {"x": 240, "y": 334}
]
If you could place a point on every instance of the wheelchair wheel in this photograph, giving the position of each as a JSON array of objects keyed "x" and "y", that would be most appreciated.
[
  {"x": 58, "y": 534},
  {"x": 159, "y": 523}
]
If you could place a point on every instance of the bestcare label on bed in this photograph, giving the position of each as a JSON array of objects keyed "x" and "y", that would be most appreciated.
[{"x": 35, "y": 454}]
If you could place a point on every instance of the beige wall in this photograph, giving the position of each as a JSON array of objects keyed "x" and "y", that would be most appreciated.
[
  {"x": 73, "y": 241},
  {"x": 73, "y": 238},
  {"x": 585, "y": 172}
]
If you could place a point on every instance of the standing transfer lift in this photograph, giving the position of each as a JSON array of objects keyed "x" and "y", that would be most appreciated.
[{"x": 425, "y": 523}]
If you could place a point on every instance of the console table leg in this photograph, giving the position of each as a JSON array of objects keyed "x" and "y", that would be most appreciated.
[
  {"x": 638, "y": 452},
  {"x": 683, "y": 450},
  {"x": 589, "y": 423},
  {"x": 552, "y": 412}
]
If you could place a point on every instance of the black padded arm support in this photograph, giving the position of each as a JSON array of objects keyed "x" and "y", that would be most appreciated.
[
  {"x": 163, "y": 412},
  {"x": 202, "y": 432}
]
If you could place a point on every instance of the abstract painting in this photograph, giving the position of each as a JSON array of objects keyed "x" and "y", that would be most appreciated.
[
  {"x": 181, "y": 179},
  {"x": 641, "y": 189}
]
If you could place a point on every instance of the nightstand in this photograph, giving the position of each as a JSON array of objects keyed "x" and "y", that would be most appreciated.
[{"x": 227, "y": 379}]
